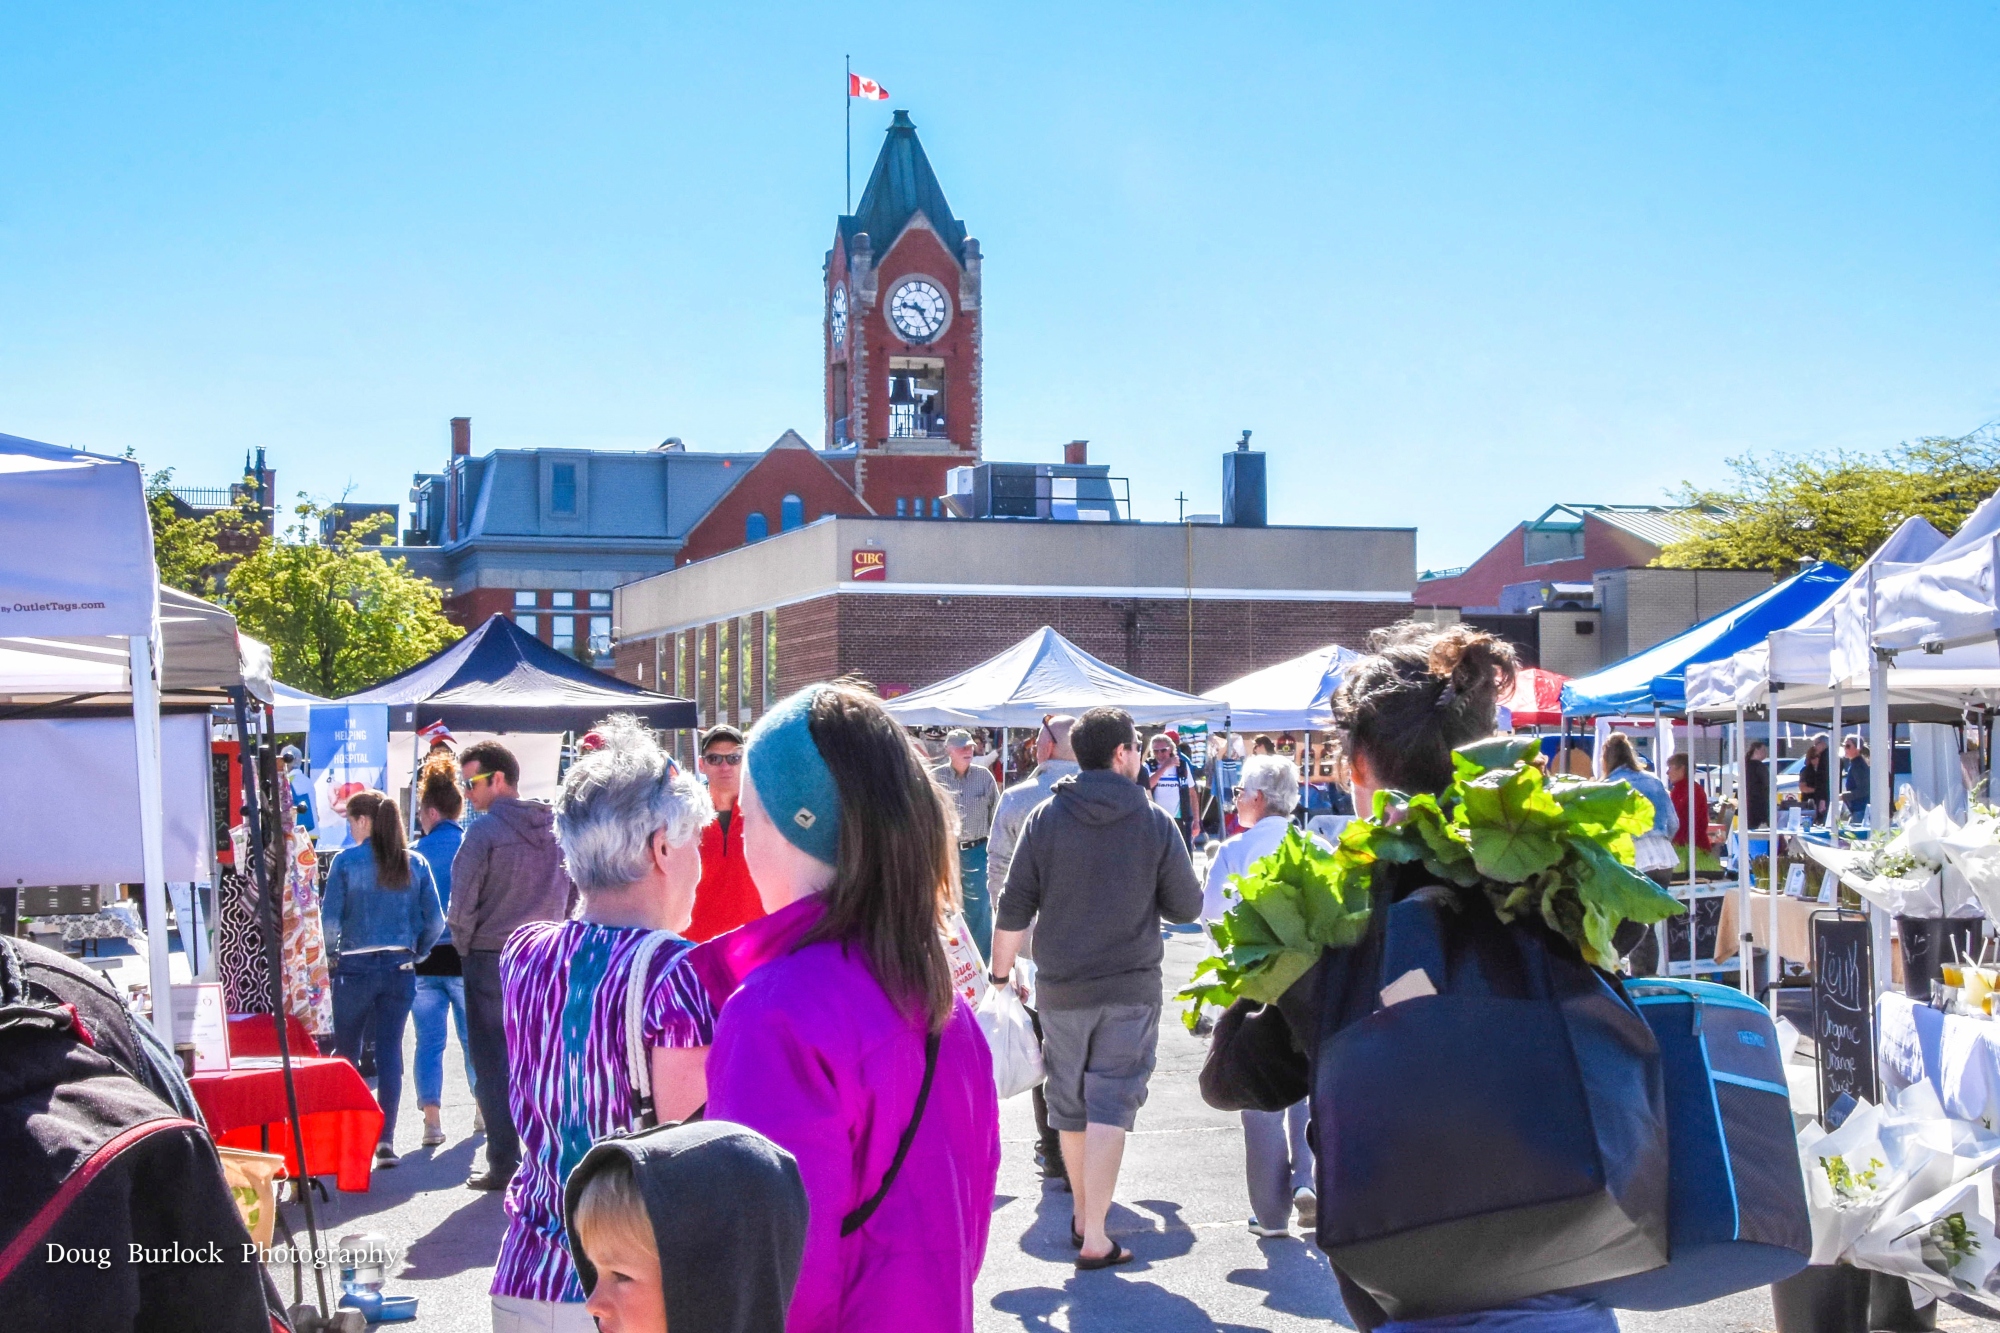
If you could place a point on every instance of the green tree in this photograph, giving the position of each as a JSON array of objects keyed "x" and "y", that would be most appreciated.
[
  {"x": 339, "y": 617},
  {"x": 1838, "y": 507},
  {"x": 187, "y": 551}
]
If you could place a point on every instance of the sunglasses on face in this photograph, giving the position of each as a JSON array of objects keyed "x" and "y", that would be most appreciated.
[
  {"x": 731, "y": 760},
  {"x": 469, "y": 783}
]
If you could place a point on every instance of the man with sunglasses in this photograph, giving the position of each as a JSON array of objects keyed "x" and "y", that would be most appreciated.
[
  {"x": 726, "y": 897},
  {"x": 976, "y": 794},
  {"x": 508, "y": 872}
]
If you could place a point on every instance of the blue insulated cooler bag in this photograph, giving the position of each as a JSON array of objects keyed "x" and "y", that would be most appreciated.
[
  {"x": 1488, "y": 1113},
  {"x": 1736, "y": 1198}
]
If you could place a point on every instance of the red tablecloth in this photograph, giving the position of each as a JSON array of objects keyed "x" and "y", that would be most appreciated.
[{"x": 337, "y": 1114}]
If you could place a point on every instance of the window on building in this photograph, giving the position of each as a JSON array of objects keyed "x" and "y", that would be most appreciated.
[
  {"x": 704, "y": 675},
  {"x": 562, "y": 633},
  {"x": 600, "y": 601},
  {"x": 756, "y": 527},
  {"x": 747, "y": 678},
  {"x": 524, "y": 599},
  {"x": 902, "y": 506},
  {"x": 527, "y": 625},
  {"x": 679, "y": 676},
  {"x": 937, "y": 506},
  {"x": 723, "y": 661},
  {"x": 562, "y": 600},
  {"x": 562, "y": 488},
  {"x": 600, "y": 636},
  {"x": 839, "y": 405},
  {"x": 791, "y": 513},
  {"x": 770, "y": 658}
]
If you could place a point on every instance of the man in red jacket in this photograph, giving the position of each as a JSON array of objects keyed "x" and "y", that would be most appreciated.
[{"x": 726, "y": 898}]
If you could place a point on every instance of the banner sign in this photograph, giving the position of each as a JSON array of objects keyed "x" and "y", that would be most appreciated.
[{"x": 348, "y": 747}]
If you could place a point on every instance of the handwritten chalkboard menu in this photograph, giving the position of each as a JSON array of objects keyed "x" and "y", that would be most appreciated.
[{"x": 1843, "y": 1007}]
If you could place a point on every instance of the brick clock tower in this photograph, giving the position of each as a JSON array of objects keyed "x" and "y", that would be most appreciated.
[{"x": 902, "y": 333}]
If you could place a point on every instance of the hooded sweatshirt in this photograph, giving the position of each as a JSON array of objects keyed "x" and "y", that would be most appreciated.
[
  {"x": 729, "y": 1218},
  {"x": 508, "y": 871},
  {"x": 1097, "y": 868}
]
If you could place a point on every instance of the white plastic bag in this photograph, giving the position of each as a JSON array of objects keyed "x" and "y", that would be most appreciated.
[
  {"x": 968, "y": 969},
  {"x": 1017, "y": 1056}
]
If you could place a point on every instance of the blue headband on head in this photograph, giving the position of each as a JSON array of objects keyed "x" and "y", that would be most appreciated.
[{"x": 793, "y": 783}]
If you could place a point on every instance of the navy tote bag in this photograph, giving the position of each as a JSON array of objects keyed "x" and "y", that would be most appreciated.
[{"x": 1488, "y": 1113}]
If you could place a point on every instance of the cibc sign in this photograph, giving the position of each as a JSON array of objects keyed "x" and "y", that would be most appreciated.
[{"x": 869, "y": 566}]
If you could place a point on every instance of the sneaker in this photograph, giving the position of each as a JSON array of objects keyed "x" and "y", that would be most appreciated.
[
  {"x": 433, "y": 1135},
  {"x": 385, "y": 1156},
  {"x": 1263, "y": 1232},
  {"x": 1307, "y": 1205}
]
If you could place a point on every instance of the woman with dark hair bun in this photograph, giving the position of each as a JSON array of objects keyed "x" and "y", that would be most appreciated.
[
  {"x": 845, "y": 1044},
  {"x": 1422, "y": 692}
]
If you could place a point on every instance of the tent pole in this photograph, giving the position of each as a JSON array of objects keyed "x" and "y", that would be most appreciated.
[
  {"x": 1774, "y": 967},
  {"x": 1882, "y": 744},
  {"x": 1835, "y": 797},
  {"x": 152, "y": 855},
  {"x": 1745, "y": 943}
]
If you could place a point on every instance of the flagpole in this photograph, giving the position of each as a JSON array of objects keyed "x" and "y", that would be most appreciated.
[{"x": 847, "y": 100}]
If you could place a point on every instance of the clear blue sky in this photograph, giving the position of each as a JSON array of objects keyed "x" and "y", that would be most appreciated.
[{"x": 1450, "y": 264}]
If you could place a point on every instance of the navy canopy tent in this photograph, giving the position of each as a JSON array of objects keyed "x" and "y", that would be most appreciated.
[
  {"x": 498, "y": 678},
  {"x": 1657, "y": 677}
]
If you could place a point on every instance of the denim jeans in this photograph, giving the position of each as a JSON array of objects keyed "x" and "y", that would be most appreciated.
[
  {"x": 436, "y": 996},
  {"x": 486, "y": 1023},
  {"x": 372, "y": 993},
  {"x": 1277, "y": 1160},
  {"x": 978, "y": 903}
]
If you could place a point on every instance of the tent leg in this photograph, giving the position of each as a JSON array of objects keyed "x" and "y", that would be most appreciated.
[
  {"x": 1746, "y": 941},
  {"x": 1836, "y": 798},
  {"x": 1882, "y": 746},
  {"x": 1775, "y": 967},
  {"x": 152, "y": 828}
]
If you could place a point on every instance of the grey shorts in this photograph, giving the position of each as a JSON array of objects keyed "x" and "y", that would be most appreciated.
[{"x": 1098, "y": 1062}]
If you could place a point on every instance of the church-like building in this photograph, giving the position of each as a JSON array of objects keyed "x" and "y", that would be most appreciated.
[{"x": 546, "y": 534}]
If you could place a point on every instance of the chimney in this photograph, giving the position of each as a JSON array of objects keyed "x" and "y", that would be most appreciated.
[
  {"x": 1243, "y": 486},
  {"x": 461, "y": 448},
  {"x": 1077, "y": 452}
]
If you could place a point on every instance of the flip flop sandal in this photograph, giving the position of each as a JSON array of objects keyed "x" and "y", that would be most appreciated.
[
  {"x": 1075, "y": 1236},
  {"x": 1119, "y": 1255}
]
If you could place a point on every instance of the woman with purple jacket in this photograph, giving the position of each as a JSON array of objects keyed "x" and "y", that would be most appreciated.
[{"x": 846, "y": 1045}]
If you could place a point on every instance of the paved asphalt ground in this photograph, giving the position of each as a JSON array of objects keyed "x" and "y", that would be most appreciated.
[{"x": 1182, "y": 1208}]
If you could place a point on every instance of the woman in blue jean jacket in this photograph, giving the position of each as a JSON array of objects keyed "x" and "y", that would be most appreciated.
[
  {"x": 381, "y": 915},
  {"x": 441, "y": 976}
]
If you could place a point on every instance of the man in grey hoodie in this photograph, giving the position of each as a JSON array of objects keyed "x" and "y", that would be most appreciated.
[
  {"x": 508, "y": 872},
  {"x": 1097, "y": 867}
]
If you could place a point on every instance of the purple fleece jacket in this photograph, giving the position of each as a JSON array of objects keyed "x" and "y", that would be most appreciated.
[{"x": 811, "y": 1053}]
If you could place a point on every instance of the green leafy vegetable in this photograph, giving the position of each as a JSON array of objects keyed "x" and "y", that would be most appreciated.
[{"x": 1560, "y": 848}]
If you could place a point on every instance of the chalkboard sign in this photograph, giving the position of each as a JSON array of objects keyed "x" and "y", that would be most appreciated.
[{"x": 1843, "y": 1007}]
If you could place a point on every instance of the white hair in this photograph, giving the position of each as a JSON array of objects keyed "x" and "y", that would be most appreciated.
[
  {"x": 616, "y": 798},
  {"x": 1274, "y": 778}
]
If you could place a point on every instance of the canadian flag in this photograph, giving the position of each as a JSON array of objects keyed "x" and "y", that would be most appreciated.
[{"x": 866, "y": 88}]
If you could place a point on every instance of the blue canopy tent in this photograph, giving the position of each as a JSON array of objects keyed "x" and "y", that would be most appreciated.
[
  {"x": 499, "y": 678},
  {"x": 1656, "y": 679}
]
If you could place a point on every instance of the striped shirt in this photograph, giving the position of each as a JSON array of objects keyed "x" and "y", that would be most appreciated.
[{"x": 563, "y": 985}]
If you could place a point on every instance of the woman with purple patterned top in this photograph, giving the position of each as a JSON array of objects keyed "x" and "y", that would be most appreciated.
[{"x": 629, "y": 824}]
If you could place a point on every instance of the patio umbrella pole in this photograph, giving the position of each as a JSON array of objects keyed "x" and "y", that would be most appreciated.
[{"x": 274, "y": 925}]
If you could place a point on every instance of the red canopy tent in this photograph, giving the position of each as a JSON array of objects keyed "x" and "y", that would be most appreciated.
[{"x": 1537, "y": 698}]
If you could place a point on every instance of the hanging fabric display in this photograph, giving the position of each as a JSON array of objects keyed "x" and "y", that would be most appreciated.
[
  {"x": 239, "y": 939},
  {"x": 308, "y": 980}
]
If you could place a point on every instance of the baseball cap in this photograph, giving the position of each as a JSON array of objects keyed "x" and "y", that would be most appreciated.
[{"x": 958, "y": 738}]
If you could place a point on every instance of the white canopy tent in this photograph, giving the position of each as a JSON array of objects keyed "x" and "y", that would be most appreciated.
[
  {"x": 78, "y": 565},
  {"x": 1293, "y": 695},
  {"x": 1044, "y": 673}
]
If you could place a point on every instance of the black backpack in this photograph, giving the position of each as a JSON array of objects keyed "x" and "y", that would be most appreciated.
[{"x": 97, "y": 1158}]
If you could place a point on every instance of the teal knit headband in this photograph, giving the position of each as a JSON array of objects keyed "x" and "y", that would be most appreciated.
[{"x": 792, "y": 780}]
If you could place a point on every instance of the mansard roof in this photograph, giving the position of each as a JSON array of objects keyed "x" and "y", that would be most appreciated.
[{"x": 901, "y": 186}]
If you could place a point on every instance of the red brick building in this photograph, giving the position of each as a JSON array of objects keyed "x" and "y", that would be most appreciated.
[{"x": 1568, "y": 544}]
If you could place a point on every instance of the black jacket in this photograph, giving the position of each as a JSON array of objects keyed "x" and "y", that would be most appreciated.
[{"x": 1097, "y": 867}]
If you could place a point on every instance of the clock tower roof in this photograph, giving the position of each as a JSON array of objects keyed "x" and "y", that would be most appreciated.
[{"x": 901, "y": 186}]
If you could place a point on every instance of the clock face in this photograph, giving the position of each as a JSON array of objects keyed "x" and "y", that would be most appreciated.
[
  {"x": 919, "y": 310},
  {"x": 840, "y": 315}
]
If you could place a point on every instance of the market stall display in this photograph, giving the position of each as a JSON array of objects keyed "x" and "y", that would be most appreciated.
[{"x": 339, "y": 1121}]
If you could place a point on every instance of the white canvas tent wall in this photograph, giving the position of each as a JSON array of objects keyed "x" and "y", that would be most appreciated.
[
  {"x": 78, "y": 564},
  {"x": 1044, "y": 673},
  {"x": 1293, "y": 695}
]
